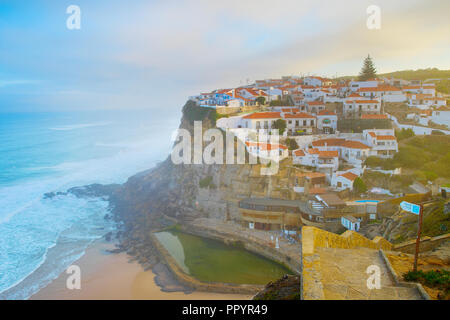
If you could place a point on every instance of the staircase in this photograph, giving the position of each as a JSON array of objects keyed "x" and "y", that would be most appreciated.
[{"x": 344, "y": 277}]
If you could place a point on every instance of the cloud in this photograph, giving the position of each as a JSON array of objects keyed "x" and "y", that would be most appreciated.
[{"x": 155, "y": 53}]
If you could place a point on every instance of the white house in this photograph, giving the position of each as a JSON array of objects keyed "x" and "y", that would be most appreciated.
[
  {"x": 425, "y": 101},
  {"x": 354, "y": 152},
  {"x": 260, "y": 120},
  {"x": 351, "y": 223},
  {"x": 299, "y": 123},
  {"x": 359, "y": 107},
  {"x": 325, "y": 161},
  {"x": 356, "y": 85},
  {"x": 383, "y": 142},
  {"x": 267, "y": 150},
  {"x": 316, "y": 81},
  {"x": 327, "y": 121},
  {"x": 343, "y": 181},
  {"x": 314, "y": 106}
]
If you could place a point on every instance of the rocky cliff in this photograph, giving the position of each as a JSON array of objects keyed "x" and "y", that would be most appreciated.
[{"x": 152, "y": 199}]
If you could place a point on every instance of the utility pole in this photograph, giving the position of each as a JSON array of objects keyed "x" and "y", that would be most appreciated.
[{"x": 419, "y": 230}]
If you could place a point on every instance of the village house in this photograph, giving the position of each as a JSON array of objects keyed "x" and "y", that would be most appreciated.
[
  {"x": 260, "y": 120},
  {"x": 343, "y": 181},
  {"x": 424, "y": 101},
  {"x": 383, "y": 142},
  {"x": 314, "y": 106},
  {"x": 327, "y": 121},
  {"x": 323, "y": 161},
  {"x": 299, "y": 123},
  {"x": 354, "y": 152},
  {"x": 360, "y": 107},
  {"x": 267, "y": 150},
  {"x": 351, "y": 223}
]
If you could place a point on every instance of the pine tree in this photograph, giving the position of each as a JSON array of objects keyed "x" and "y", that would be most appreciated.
[{"x": 368, "y": 70}]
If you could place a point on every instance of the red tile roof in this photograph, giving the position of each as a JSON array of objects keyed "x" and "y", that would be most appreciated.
[
  {"x": 355, "y": 145},
  {"x": 349, "y": 176},
  {"x": 326, "y": 113},
  {"x": 263, "y": 115},
  {"x": 298, "y": 115},
  {"x": 385, "y": 138},
  {"x": 299, "y": 153},
  {"x": 328, "y": 154}
]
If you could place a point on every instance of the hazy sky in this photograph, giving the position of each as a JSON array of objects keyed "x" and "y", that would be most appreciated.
[{"x": 153, "y": 54}]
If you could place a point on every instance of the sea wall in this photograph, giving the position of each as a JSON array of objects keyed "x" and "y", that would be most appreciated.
[
  {"x": 247, "y": 243},
  {"x": 193, "y": 283}
]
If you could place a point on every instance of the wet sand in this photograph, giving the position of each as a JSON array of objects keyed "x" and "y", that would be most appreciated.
[{"x": 107, "y": 276}]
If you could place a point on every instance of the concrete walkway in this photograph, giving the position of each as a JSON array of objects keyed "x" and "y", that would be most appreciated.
[{"x": 344, "y": 277}]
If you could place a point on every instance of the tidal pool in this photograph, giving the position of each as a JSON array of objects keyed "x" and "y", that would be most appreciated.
[{"x": 213, "y": 261}]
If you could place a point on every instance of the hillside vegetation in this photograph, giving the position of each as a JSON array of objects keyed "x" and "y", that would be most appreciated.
[{"x": 426, "y": 157}]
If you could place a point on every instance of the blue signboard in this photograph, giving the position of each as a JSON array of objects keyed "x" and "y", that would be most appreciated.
[{"x": 410, "y": 207}]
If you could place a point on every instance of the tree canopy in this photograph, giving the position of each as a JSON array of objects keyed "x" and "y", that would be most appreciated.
[
  {"x": 279, "y": 124},
  {"x": 368, "y": 70}
]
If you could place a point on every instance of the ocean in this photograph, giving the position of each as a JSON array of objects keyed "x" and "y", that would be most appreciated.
[{"x": 54, "y": 151}]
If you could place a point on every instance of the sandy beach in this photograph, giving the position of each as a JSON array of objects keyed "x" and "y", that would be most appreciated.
[{"x": 107, "y": 276}]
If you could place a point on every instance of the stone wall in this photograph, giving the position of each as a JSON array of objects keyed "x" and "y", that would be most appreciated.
[
  {"x": 426, "y": 244},
  {"x": 313, "y": 237},
  {"x": 191, "y": 282}
]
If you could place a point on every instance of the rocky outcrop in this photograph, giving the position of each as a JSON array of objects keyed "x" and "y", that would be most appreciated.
[{"x": 286, "y": 288}]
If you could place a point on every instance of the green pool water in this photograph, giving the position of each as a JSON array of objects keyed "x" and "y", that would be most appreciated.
[{"x": 213, "y": 261}]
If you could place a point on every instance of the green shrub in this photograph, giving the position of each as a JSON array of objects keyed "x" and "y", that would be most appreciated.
[{"x": 207, "y": 183}]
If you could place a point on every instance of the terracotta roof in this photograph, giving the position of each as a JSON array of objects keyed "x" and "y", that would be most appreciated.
[
  {"x": 374, "y": 116},
  {"x": 354, "y": 95},
  {"x": 299, "y": 153},
  {"x": 263, "y": 115},
  {"x": 355, "y": 145},
  {"x": 328, "y": 142},
  {"x": 315, "y": 103},
  {"x": 372, "y": 134},
  {"x": 385, "y": 138},
  {"x": 299, "y": 115},
  {"x": 328, "y": 154},
  {"x": 349, "y": 176},
  {"x": 326, "y": 113}
]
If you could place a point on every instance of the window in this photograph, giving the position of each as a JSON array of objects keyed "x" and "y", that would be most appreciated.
[
  {"x": 312, "y": 123},
  {"x": 304, "y": 123}
]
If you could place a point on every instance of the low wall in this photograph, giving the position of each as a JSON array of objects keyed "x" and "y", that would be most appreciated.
[
  {"x": 313, "y": 237},
  {"x": 426, "y": 244},
  {"x": 265, "y": 251},
  {"x": 228, "y": 110},
  {"x": 191, "y": 282}
]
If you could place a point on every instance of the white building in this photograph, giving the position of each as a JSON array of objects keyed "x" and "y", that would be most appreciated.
[
  {"x": 360, "y": 107},
  {"x": 299, "y": 123},
  {"x": 383, "y": 142},
  {"x": 343, "y": 181},
  {"x": 356, "y": 85},
  {"x": 327, "y": 121},
  {"x": 260, "y": 120},
  {"x": 324, "y": 161},
  {"x": 351, "y": 223},
  {"x": 267, "y": 150}
]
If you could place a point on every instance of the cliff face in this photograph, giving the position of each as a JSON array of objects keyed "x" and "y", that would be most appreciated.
[{"x": 185, "y": 192}]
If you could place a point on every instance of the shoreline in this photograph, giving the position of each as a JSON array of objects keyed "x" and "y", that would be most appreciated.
[{"x": 112, "y": 276}]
